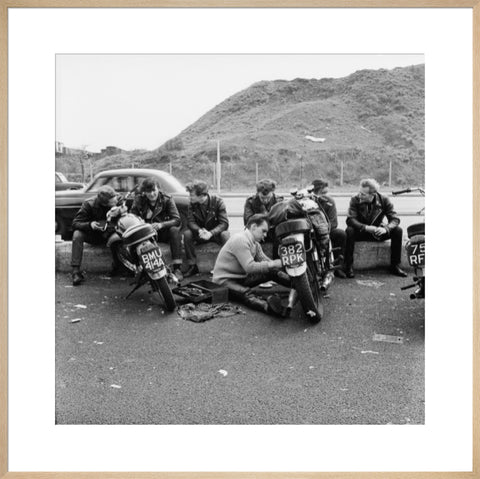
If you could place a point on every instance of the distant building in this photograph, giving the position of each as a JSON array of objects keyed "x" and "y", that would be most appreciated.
[{"x": 110, "y": 150}]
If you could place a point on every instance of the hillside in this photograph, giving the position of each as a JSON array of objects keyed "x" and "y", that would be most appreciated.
[{"x": 367, "y": 119}]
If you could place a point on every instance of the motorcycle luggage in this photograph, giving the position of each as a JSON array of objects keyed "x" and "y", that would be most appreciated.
[{"x": 138, "y": 233}]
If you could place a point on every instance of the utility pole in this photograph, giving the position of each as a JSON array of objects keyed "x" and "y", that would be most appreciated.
[
  {"x": 256, "y": 172},
  {"x": 219, "y": 167},
  {"x": 170, "y": 167},
  {"x": 341, "y": 173},
  {"x": 390, "y": 175}
]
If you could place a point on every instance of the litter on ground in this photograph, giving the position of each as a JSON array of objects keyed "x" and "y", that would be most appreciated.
[
  {"x": 198, "y": 313},
  {"x": 75, "y": 320},
  {"x": 115, "y": 386},
  {"x": 370, "y": 283},
  {"x": 223, "y": 372},
  {"x": 369, "y": 352},
  {"x": 80, "y": 306},
  {"x": 386, "y": 338}
]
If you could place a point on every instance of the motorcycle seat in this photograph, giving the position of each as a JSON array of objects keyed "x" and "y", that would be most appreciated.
[
  {"x": 138, "y": 233},
  {"x": 416, "y": 229},
  {"x": 300, "y": 225}
]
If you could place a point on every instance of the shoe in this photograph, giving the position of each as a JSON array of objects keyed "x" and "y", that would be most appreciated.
[
  {"x": 397, "y": 271},
  {"x": 77, "y": 278},
  {"x": 339, "y": 273},
  {"x": 275, "y": 306},
  {"x": 191, "y": 271},
  {"x": 178, "y": 272},
  {"x": 349, "y": 273}
]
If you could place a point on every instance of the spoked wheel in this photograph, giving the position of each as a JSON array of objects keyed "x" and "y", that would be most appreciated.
[
  {"x": 309, "y": 294},
  {"x": 161, "y": 287}
]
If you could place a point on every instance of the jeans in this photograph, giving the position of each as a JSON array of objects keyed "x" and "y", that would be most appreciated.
[
  {"x": 190, "y": 238},
  {"x": 338, "y": 237},
  {"x": 93, "y": 238},
  {"x": 172, "y": 236},
  {"x": 354, "y": 235},
  {"x": 240, "y": 289}
]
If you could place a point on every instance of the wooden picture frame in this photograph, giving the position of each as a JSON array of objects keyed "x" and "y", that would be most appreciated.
[{"x": 474, "y": 5}]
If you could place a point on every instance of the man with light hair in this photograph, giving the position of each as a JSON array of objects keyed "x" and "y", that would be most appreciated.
[{"x": 365, "y": 222}]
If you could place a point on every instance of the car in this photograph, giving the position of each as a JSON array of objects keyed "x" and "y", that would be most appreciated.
[
  {"x": 123, "y": 181},
  {"x": 61, "y": 183}
]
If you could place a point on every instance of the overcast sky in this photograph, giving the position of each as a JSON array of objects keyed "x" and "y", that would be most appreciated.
[{"x": 140, "y": 101}]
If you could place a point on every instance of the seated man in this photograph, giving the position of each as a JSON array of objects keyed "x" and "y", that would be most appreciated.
[
  {"x": 89, "y": 226},
  {"x": 242, "y": 264},
  {"x": 159, "y": 209},
  {"x": 338, "y": 236},
  {"x": 207, "y": 221},
  {"x": 262, "y": 202},
  {"x": 364, "y": 223}
]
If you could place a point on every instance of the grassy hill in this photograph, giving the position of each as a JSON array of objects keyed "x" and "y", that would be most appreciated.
[{"x": 367, "y": 119}]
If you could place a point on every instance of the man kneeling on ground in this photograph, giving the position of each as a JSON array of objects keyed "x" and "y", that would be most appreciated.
[{"x": 242, "y": 264}]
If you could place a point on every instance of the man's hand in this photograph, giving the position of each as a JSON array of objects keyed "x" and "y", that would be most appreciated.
[
  {"x": 275, "y": 264},
  {"x": 95, "y": 225},
  {"x": 157, "y": 226},
  {"x": 206, "y": 235},
  {"x": 379, "y": 231}
]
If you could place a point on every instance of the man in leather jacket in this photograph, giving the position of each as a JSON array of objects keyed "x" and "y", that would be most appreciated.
[
  {"x": 207, "y": 220},
  {"x": 89, "y": 226},
  {"x": 366, "y": 213},
  {"x": 159, "y": 209}
]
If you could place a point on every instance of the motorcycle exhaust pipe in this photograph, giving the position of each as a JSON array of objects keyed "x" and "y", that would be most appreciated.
[{"x": 327, "y": 281}]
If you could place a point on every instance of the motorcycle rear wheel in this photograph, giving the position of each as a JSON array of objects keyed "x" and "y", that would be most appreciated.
[
  {"x": 309, "y": 295},
  {"x": 161, "y": 287}
]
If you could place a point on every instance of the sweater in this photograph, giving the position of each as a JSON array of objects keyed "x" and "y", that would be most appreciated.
[{"x": 240, "y": 256}]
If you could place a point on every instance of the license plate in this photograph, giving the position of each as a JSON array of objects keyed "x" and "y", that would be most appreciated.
[
  {"x": 416, "y": 254},
  {"x": 152, "y": 260},
  {"x": 292, "y": 255}
]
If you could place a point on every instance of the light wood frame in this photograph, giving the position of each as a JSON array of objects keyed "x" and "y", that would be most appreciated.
[{"x": 6, "y": 4}]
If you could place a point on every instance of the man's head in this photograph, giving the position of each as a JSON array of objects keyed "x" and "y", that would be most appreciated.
[
  {"x": 107, "y": 196},
  {"x": 198, "y": 191},
  {"x": 265, "y": 189},
  {"x": 368, "y": 188},
  {"x": 258, "y": 226},
  {"x": 320, "y": 186},
  {"x": 150, "y": 188}
]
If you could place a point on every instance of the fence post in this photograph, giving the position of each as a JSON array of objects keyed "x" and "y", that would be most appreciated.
[
  {"x": 341, "y": 173},
  {"x": 390, "y": 175},
  {"x": 256, "y": 172}
]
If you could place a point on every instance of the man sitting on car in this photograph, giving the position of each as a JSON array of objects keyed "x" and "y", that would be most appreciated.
[
  {"x": 159, "y": 209},
  {"x": 242, "y": 264},
  {"x": 207, "y": 221},
  {"x": 89, "y": 226}
]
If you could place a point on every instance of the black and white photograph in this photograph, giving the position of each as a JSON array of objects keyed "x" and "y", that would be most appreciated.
[{"x": 239, "y": 239}]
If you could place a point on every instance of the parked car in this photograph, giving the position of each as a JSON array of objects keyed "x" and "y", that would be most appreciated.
[
  {"x": 68, "y": 202},
  {"x": 61, "y": 183}
]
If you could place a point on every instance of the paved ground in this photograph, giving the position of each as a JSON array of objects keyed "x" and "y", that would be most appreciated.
[{"x": 127, "y": 362}]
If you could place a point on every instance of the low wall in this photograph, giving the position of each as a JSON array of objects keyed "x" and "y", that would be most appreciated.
[{"x": 97, "y": 259}]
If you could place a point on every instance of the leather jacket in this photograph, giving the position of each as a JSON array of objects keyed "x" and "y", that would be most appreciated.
[
  {"x": 211, "y": 215},
  {"x": 362, "y": 214}
]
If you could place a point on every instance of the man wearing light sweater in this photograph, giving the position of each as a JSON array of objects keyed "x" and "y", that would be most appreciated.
[{"x": 242, "y": 264}]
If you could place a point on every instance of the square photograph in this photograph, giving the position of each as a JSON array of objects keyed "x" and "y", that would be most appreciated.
[{"x": 240, "y": 239}]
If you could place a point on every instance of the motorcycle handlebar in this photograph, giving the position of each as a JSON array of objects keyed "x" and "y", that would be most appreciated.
[{"x": 400, "y": 192}]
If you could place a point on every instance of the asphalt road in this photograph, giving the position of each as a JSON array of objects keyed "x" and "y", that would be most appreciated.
[{"x": 128, "y": 362}]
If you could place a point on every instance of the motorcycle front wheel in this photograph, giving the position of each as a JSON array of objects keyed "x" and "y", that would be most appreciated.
[
  {"x": 309, "y": 295},
  {"x": 161, "y": 287}
]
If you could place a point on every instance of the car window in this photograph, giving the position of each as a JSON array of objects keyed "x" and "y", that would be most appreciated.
[
  {"x": 121, "y": 184},
  {"x": 60, "y": 178},
  {"x": 97, "y": 183}
]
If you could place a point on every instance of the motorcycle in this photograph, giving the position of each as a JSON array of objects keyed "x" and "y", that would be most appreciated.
[
  {"x": 140, "y": 253},
  {"x": 305, "y": 250},
  {"x": 415, "y": 249}
]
